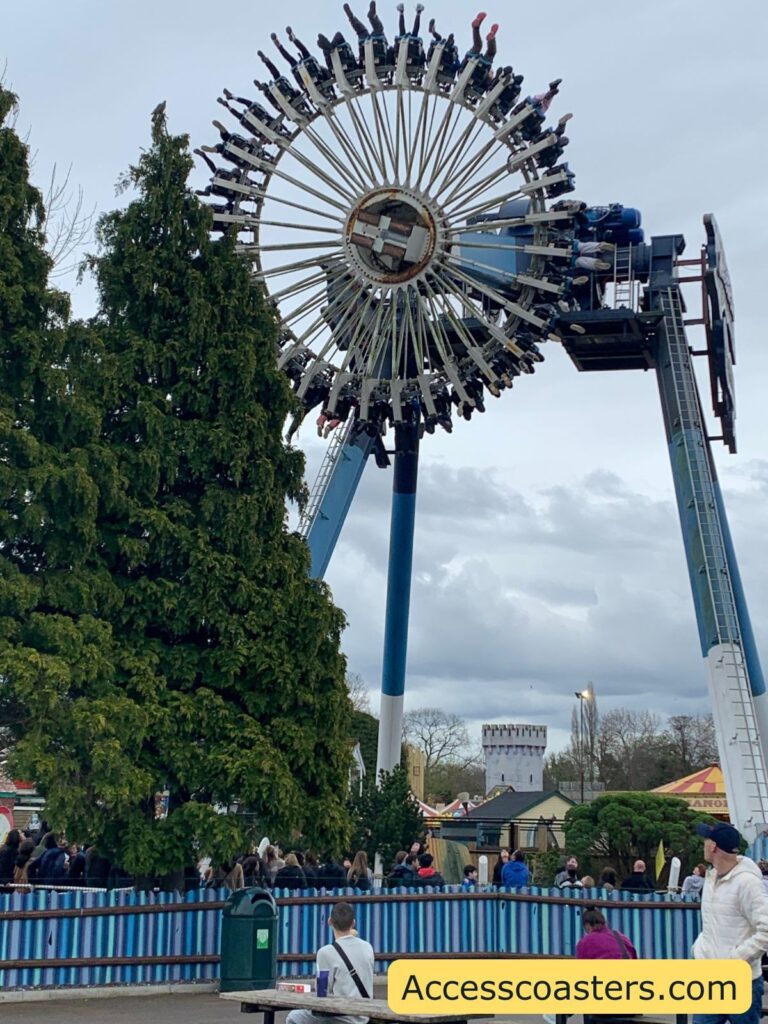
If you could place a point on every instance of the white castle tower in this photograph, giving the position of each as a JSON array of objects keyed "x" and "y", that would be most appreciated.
[{"x": 514, "y": 756}]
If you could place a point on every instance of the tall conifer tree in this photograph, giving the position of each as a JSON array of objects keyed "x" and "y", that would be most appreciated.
[{"x": 216, "y": 674}]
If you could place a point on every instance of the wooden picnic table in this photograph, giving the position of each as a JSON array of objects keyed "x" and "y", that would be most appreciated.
[{"x": 269, "y": 1001}]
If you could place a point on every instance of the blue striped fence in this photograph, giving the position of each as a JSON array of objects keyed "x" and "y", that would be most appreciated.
[{"x": 78, "y": 939}]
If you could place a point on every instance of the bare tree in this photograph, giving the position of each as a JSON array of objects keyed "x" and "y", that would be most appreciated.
[
  {"x": 628, "y": 747},
  {"x": 692, "y": 741},
  {"x": 592, "y": 728},
  {"x": 67, "y": 225},
  {"x": 443, "y": 737},
  {"x": 358, "y": 692},
  {"x": 585, "y": 728}
]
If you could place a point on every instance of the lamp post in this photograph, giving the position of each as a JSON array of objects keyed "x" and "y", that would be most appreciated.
[{"x": 582, "y": 696}]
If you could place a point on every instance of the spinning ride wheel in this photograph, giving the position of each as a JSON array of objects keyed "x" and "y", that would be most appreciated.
[{"x": 394, "y": 206}]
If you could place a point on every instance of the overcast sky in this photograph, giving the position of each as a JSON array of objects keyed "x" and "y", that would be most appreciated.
[{"x": 548, "y": 551}]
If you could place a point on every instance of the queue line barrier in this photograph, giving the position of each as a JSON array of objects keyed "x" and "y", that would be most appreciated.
[{"x": 86, "y": 938}]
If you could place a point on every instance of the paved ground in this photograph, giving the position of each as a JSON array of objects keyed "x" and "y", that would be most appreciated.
[
  {"x": 180, "y": 1009},
  {"x": 176, "y": 1009}
]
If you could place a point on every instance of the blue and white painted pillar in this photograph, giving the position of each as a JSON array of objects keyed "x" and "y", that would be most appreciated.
[
  {"x": 398, "y": 597},
  {"x": 736, "y": 685},
  {"x": 748, "y": 645}
]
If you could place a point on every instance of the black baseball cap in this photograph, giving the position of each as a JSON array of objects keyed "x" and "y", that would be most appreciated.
[{"x": 725, "y": 836}]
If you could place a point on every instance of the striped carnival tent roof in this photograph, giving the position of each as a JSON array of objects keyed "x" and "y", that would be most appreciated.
[
  {"x": 704, "y": 790},
  {"x": 456, "y": 808},
  {"x": 426, "y": 810}
]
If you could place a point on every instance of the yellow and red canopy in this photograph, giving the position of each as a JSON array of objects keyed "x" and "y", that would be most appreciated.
[{"x": 704, "y": 790}]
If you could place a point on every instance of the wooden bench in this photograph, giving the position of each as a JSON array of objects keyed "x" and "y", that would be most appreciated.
[{"x": 270, "y": 1001}]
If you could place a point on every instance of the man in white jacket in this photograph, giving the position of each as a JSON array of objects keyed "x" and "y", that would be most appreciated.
[{"x": 734, "y": 914}]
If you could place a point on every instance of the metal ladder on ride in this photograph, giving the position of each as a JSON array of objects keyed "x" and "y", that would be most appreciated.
[
  {"x": 749, "y": 765},
  {"x": 625, "y": 287},
  {"x": 323, "y": 478}
]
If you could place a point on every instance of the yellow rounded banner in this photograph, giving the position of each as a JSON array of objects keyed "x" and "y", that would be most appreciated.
[{"x": 482, "y": 987}]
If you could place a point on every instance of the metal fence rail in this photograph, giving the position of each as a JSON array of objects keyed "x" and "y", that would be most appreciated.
[{"x": 77, "y": 939}]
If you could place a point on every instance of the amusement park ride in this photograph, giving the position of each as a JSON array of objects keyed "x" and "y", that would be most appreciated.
[{"x": 401, "y": 208}]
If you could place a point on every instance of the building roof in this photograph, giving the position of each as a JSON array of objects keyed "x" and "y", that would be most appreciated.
[
  {"x": 510, "y": 805},
  {"x": 703, "y": 791},
  {"x": 709, "y": 780},
  {"x": 455, "y": 809}
]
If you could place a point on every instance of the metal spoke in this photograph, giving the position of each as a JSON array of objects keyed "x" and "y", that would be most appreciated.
[
  {"x": 400, "y": 132},
  {"x": 426, "y": 135},
  {"x": 513, "y": 308},
  {"x": 444, "y": 148},
  {"x": 360, "y": 155},
  {"x": 493, "y": 330},
  {"x": 487, "y": 226},
  {"x": 367, "y": 142},
  {"x": 449, "y": 361},
  {"x": 468, "y": 137},
  {"x": 345, "y": 170},
  {"x": 286, "y": 268},
  {"x": 414, "y": 333},
  {"x": 477, "y": 189},
  {"x": 458, "y": 261},
  {"x": 442, "y": 131},
  {"x": 529, "y": 248},
  {"x": 489, "y": 204},
  {"x": 308, "y": 282},
  {"x": 358, "y": 160},
  {"x": 299, "y": 227},
  {"x": 371, "y": 351},
  {"x": 352, "y": 314},
  {"x": 315, "y": 169},
  {"x": 285, "y": 246},
  {"x": 303, "y": 187},
  {"x": 300, "y": 206},
  {"x": 473, "y": 350},
  {"x": 464, "y": 174},
  {"x": 433, "y": 324},
  {"x": 410, "y": 146},
  {"x": 399, "y": 355},
  {"x": 316, "y": 300},
  {"x": 381, "y": 127},
  {"x": 360, "y": 343}
]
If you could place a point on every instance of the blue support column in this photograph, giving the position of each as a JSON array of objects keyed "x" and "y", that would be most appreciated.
[
  {"x": 339, "y": 491},
  {"x": 737, "y": 689},
  {"x": 398, "y": 597}
]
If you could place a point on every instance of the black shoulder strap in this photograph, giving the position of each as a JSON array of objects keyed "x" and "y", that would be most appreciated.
[
  {"x": 352, "y": 972},
  {"x": 622, "y": 945}
]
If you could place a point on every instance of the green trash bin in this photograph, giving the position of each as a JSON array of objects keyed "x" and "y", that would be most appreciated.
[{"x": 249, "y": 941}]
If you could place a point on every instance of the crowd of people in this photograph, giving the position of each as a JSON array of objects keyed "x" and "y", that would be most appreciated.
[
  {"x": 296, "y": 870},
  {"x": 511, "y": 872},
  {"x": 41, "y": 857}
]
